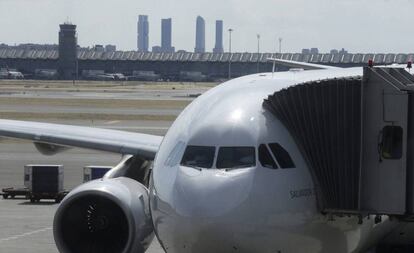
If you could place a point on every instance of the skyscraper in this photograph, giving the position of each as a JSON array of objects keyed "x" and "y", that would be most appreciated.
[
  {"x": 218, "y": 48},
  {"x": 143, "y": 33},
  {"x": 166, "y": 34},
  {"x": 200, "y": 46}
]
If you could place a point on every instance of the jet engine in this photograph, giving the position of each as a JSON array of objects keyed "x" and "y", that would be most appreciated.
[
  {"x": 49, "y": 149},
  {"x": 110, "y": 215}
]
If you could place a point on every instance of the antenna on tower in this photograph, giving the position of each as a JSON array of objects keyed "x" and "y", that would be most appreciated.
[{"x": 67, "y": 22}]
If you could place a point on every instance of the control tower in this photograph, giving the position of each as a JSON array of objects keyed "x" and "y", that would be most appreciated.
[{"x": 68, "y": 52}]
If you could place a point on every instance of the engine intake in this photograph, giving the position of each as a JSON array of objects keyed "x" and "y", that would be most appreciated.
[{"x": 109, "y": 215}]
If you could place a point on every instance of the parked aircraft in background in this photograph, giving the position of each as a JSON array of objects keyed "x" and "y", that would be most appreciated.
[
  {"x": 102, "y": 76},
  {"x": 47, "y": 74},
  {"x": 10, "y": 74}
]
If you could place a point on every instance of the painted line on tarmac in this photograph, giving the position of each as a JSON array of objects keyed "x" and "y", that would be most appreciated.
[
  {"x": 16, "y": 237},
  {"x": 112, "y": 122}
]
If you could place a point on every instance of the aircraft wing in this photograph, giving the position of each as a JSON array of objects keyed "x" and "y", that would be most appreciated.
[
  {"x": 115, "y": 141},
  {"x": 302, "y": 65}
]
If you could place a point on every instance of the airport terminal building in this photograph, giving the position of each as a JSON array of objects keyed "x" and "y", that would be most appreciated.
[{"x": 185, "y": 66}]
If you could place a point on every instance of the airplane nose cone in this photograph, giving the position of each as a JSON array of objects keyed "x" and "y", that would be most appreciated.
[
  {"x": 210, "y": 193},
  {"x": 203, "y": 209}
]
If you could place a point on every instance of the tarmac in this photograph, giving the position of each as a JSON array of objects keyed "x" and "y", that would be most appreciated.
[{"x": 27, "y": 227}]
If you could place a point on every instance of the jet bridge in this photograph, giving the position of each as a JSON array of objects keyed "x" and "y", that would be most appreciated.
[{"x": 355, "y": 134}]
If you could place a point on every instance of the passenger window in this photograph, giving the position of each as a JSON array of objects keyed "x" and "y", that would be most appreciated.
[
  {"x": 236, "y": 157},
  {"x": 265, "y": 158},
  {"x": 282, "y": 156},
  {"x": 392, "y": 141},
  {"x": 198, "y": 157}
]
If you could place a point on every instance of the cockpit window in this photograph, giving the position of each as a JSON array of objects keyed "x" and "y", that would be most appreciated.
[
  {"x": 265, "y": 158},
  {"x": 174, "y": 157},
  {"x": 236, "y": 157},
  {"x": 198, "y": 156},
  {"x": 282, "y": 156}
]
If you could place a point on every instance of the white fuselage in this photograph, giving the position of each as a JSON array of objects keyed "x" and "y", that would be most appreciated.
[{"x": 254, "y": 209}]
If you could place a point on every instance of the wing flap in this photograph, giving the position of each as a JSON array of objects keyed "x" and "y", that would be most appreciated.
[{"x": 115, "y": 141}]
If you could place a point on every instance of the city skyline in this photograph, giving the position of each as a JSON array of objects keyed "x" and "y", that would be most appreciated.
[{"x": 325, "y": 24}]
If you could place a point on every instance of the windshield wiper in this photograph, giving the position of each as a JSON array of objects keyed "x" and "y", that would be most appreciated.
[{"x": 193, "y": 167}]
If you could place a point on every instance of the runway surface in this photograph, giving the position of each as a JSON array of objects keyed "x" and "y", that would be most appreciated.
[
  {"x": 93, "y": 90},
  {"x": 27, "y": 227}
]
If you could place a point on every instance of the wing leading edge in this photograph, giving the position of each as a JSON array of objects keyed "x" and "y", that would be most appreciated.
[
  {"x": 303, "y": 65},
  {"x": 115, "y": 141}
]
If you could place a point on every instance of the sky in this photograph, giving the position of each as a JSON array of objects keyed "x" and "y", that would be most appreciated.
[{"x": 368, "y": 26}]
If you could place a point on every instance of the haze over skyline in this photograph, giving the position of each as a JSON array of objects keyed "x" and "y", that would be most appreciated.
[{"x": 357, "y": 25}]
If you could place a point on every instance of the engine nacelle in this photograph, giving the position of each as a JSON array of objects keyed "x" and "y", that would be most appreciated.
[
  {"x": 110, "y": 215},
  {"x": 49, "y": 149}
]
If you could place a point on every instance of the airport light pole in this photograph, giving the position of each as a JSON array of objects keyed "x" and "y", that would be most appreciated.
[
  {"x": 280, "y": 45},
  {"x": 230, "y": 31},
  {"x": 258, "y": 51}
]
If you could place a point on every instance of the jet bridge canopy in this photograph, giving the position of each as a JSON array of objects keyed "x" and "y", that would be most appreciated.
[{"x": 355, "y": 134}]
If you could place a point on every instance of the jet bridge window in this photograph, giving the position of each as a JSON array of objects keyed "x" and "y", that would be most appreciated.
[
  {"x": 198, "y": 157},
  {"x": 265, "y": 157},
  {"x": 236, "y": 157},
  {"x": 392, "y": 141},
  {"x": 282, "y": 156}
]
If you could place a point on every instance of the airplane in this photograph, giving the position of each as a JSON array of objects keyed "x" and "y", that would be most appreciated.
[
  {"x": 105, "y": 76},
  {"x": 10, "y": 74},
  {"x": 48, "y": 74},
  {"x": 227, "y": 177}
]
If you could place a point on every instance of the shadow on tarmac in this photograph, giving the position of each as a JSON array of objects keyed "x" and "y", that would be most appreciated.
[{"x": 44, "y": 203}]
